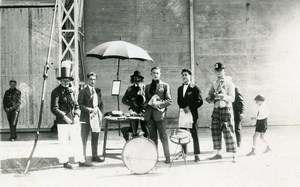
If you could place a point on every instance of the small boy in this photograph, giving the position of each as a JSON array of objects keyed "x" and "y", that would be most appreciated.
[{"x": 261, "y": 124}]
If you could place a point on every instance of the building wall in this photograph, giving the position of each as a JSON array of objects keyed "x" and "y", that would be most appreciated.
[
  {"x": 25, "y": 34},
  {"x": 257, "y": 40}
]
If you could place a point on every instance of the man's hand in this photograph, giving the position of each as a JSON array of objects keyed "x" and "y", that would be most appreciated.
[
  {"x": 67, "y": 120},
  {"x": 186, "y": 109},
  {"x": 208, "y": 100},
  {"x": 221, "y": 96},
  {"x": 76, "y": 119},
  {"x": 242, "y": 116},
  {"x": 94, "y": 110}
]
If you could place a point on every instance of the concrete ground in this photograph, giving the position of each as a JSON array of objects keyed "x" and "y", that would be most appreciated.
[{"x": 281, "y": 167}]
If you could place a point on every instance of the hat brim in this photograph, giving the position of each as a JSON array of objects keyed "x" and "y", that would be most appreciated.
[
  {"x": 137, "y": 76},
  {"x": 70, "y": 78}
]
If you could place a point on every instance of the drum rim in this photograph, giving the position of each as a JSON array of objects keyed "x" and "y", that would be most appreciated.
[
  {"x": 140, "y": 137},
  {"x": 181, "y": 130}
]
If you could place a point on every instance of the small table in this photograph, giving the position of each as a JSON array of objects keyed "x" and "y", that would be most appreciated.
[{"x": 111, "y": 119}]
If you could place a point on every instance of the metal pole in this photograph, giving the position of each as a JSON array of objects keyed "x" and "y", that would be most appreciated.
[
  {"x": 45, "y": 76},
  {"x": 192, "y": 42}
]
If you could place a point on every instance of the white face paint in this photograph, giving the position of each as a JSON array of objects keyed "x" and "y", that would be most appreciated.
[
  {"x": 220, "y": 73},
  {"x": 65, "y": 82}
]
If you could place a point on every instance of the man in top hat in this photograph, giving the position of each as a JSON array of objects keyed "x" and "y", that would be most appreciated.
[
  {"x": 91, "y": 106},
  {"x": 189, "y": 100},
  {"x": 66, "y": 109},
  {"x": 158, "y": 96},
  {"x": 134, "y": 97},
  {"x": 11, "y": 105},
  {"x": 222, "y": 94}
]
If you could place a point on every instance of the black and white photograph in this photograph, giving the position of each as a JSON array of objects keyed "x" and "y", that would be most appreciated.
[{"x": 143, "y": 93}]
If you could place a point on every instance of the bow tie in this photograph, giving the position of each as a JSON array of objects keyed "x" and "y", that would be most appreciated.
[{"x": 185, "y": 83}]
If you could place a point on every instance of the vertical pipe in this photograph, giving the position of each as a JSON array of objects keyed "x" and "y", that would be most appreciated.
[
  {"x": 59, "y": 20},
  {"x": 192, "y": 42},
  {"x": 76, "y": 50}
]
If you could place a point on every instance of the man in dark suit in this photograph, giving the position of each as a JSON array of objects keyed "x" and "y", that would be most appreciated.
[
  {"x": 238, "y": 110},
  {"x": 91, "y": 108},
  {"x": 189, "y": 99},
  {"x": 158, "y": 96},
  {"x": 66, "y": 109},
  {"x": 11, "y": 105},
  {"x": 131, "y": 99}
]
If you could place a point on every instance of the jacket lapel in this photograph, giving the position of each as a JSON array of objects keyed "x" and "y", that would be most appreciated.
[
  {"x": 187, "y": 89},
  {"x": 89, "y": 94}
]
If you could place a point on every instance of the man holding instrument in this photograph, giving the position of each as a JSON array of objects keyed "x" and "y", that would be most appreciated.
[
  {"x": 134, "y": 97},
  {"x": 158, "y": 96},
  {"x": 222, "y": 94},
  {"x": 66, "y": 109},
  {"x": 189, "y": 100}
]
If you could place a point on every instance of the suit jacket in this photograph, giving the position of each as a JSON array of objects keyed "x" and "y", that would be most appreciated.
[
  {"x": 130, "y": 95},
  {"x": 63, "y": 102},
  {"x": 164, "y": 93},
  {"x": 12, "y": 100},
  {"x": 238, "y": 104},
  {"x": 192, "y": 99},
  {"x": 85, "y": 101}
]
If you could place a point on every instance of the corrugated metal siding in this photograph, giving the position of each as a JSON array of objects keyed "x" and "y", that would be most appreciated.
[{"x": 25, "y": 34}]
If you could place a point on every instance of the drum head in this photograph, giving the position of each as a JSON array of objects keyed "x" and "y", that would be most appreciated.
[
  {"x": 140, "y": 155},
  {"x": 180, "y": 136}
]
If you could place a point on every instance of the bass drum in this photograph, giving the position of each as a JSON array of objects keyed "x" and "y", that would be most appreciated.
[{"x": 140, "y": 155}]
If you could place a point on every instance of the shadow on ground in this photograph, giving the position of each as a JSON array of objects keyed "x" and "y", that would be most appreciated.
[{"x": 17, "y": 165}]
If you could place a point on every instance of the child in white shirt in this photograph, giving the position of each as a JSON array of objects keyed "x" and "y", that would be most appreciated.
[{"x": 261, "y": 124}]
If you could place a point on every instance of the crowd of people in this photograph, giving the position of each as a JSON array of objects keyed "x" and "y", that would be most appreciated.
[{"x": 77, "y": 117}]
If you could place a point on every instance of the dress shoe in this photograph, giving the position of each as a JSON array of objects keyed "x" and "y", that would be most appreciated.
[
  {"x": 97, "y": 159},
  {"x": 216, "y": 157},
  {"x": 168, "y": 160},
  {"x": 197, "y": 159},
  {"x": 83, "y": 164},
  {"x": 67, "y": 165}
]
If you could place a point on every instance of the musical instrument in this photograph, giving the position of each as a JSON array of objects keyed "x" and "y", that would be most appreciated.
[
  {"x": 221, "y": 88},
  {"x": 180, "y": 136},
  {"x": 140, "y": 99},
  {"x": 140, "y": 155}
]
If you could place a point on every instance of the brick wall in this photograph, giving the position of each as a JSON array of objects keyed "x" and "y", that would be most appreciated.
[{"x": 257, "y": 40}]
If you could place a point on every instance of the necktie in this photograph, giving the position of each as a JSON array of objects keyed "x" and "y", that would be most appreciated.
[
  {"x": 153, "y": 86},
  {"x": 95, "y": 98}
]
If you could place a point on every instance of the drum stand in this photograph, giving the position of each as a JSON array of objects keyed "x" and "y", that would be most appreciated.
[{"x": 175, "y": 155}]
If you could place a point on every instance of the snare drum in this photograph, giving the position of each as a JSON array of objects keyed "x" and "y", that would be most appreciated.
[
  {"x": 180, "y": 136},
  {"x": 140, "y": 155}
]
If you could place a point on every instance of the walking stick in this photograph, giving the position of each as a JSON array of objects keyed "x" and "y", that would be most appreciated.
[{"x": 45, "y": 76}]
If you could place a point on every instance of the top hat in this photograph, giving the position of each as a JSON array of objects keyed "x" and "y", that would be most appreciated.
[
  {"x": 218, "y": 66},
  {"x": 259, "y": 98},
  {"x": 65, "y": 71},
  {"x": 137, "y": 73}
]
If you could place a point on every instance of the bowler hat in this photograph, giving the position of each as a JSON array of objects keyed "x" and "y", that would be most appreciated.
[
  {"x": 137, "y": 73},
  {"x": 259, "y": 98},
  {"x": 218, "y": 66},
  {"x": 65, "y": 71}
]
